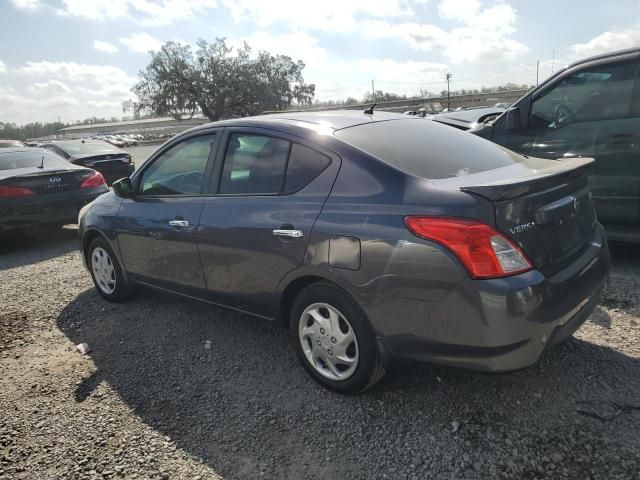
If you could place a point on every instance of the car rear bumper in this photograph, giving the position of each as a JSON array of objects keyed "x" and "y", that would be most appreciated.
[
  {"x": 26, "y": 212},
  {"x": 498, "y": 324}
]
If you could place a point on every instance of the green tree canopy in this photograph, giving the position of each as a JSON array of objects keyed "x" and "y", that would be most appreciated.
[{"x": 219, "y": 81}]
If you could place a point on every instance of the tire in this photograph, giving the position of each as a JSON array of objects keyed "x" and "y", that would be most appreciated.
[
  {"x": 106, "y": 272},
  {"x": 334, "y": 340}
]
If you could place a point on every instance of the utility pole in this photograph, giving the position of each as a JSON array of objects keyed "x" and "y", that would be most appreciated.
[
  {"x": 537, "y": 71},
  {"x": 448, "y": 91},
  {"x": 553, "y": 60},
  {"x": 373, "y": 90}
]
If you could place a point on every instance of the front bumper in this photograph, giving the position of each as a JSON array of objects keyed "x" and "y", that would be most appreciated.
[
  {"x": 26, "y": 212},
  {"x": 499, "y": 324}
]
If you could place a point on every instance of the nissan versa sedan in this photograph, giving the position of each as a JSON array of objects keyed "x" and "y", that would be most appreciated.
[
  {"x": 38, "y": 188},
  {"x": 370, "y": 236}
]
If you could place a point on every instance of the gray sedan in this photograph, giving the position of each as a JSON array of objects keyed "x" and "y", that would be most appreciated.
[{"x": 370, "y": 236}]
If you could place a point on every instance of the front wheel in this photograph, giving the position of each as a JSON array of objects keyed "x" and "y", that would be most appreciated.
[
  {"x": 334, "y": 339},
  {"x": 106, "y": 272}
]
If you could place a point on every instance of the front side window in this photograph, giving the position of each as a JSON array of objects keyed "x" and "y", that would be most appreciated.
[
  {"x": 254, "y": 164},
  {"x": 597, "y": 93},
  {"x": 179, "y": 170}
]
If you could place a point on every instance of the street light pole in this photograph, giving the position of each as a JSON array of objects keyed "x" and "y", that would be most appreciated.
[{"x": 448, "y": 92}]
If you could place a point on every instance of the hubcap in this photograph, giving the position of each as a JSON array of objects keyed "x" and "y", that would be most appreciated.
[
  {"x": 103, "y": 270},
  {"x": 328, "y": 341}
]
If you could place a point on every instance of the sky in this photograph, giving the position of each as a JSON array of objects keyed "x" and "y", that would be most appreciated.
[{"x": 74, "y": 59}]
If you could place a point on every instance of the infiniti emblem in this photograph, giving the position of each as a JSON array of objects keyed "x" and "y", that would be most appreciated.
[
  {"x": 576, "y": 204},
  {"x": 55, "y": 179}
]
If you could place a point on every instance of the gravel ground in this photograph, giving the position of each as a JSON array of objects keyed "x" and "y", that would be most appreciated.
[{"x": 151, "y": 401}]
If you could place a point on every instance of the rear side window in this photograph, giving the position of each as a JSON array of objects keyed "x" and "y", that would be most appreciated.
[
  {"x": 427, "y": 149},
  {"x": 263, "y": 165},
  {"x": 305, "y": 164},
  {"x": 254, "y": 164}
]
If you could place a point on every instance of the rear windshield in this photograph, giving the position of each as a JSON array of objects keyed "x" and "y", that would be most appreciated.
[
  {"x": 427, "y": 149},
  {"x": 30, "y": 159},
  {"x": 75, "y": 148}
]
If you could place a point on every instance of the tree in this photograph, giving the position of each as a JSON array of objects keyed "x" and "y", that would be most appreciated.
[{"x": 218, "y": 81}]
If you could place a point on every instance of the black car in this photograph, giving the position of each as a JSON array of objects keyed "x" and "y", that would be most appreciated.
[
  {"x": 112, "y": 162},
  {"x": 589, "y": 109},
  {"x": 39, "y": 188},
  {"x": 369, "y": 235}
]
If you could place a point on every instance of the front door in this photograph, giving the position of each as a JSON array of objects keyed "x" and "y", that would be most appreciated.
[
  {"x": 158, "y": 227},
  {"x": 270, "y": 190}
]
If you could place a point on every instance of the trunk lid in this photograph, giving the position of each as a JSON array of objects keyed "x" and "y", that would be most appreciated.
[
  {"x": 545, "y": 206},
  {"x": 49, "y": 182},
  {"x": 95, "y": 161}
]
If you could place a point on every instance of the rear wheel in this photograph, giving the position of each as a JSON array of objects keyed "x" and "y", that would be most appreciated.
[
  {"x": 106, "y": 272},
  {"x": 334, "y": 339}
]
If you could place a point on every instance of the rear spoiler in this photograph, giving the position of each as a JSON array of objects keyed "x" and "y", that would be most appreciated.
[{"x": 567, "y": 170}]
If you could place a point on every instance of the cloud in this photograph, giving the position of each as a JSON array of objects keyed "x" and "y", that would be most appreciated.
[
  {"x": 51, "y": 87},
  {"x": 105, "y": 46},
  {"x": 390, "y": 76},
  {"x": 616, "y": 39},
  {"x": 163, "y": 12},
  {"x": 45, "y": 89},
  {"x": 483, "y": 34},
  {"x": 26, "y": 4},
  {"x": 3, "y": 67},
  {"x": 297, "y": 45},
  {"x": 141, "y": 42},
  {"x": 326, "y": 15}
]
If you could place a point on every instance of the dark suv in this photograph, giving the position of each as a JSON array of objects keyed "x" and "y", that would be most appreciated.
[{"x": 592, "y": 109}]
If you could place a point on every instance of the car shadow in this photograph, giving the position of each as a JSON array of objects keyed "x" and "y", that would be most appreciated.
[
  {"x": 19, "y": 249},
  {"x": 228, "y": 389}
]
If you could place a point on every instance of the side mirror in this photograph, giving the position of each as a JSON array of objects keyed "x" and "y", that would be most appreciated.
[
  {"x": 513, "y": 119},
  {"x": 123, "y": 188}
]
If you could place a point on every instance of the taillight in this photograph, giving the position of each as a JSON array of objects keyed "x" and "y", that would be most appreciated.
[
  {"x": 6, "y": 191},
  {"x": 94, "y": 179},
  {"x": 483, "y": 251}
]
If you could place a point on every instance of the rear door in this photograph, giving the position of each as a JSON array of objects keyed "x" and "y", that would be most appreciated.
[
  {"x": 157, "y": 228},
  {"x": 270, "y": 188}
]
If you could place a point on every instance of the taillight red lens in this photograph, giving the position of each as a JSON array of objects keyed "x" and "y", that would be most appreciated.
[
  {"x": 483, "y": 251},
  {"x": 94, "y": 180},
  {"x": 6, "y": 191}
]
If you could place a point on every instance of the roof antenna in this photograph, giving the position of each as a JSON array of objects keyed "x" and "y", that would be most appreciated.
[
  {"x": 369, "y": 111},
  {"x": 42, "y": 162}
]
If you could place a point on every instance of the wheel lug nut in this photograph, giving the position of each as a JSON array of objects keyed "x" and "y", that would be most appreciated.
[
  {"x": 322, "y": 331},
  {"x": 330, "y": 352},
  {"x": 318, "y": 342},
  {"x": 333, "y": 339}
]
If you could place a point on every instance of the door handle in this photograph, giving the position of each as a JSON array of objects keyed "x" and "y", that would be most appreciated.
[
  {"x": 179, "y": 223},
  {"x": 288, "y": 233}
]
